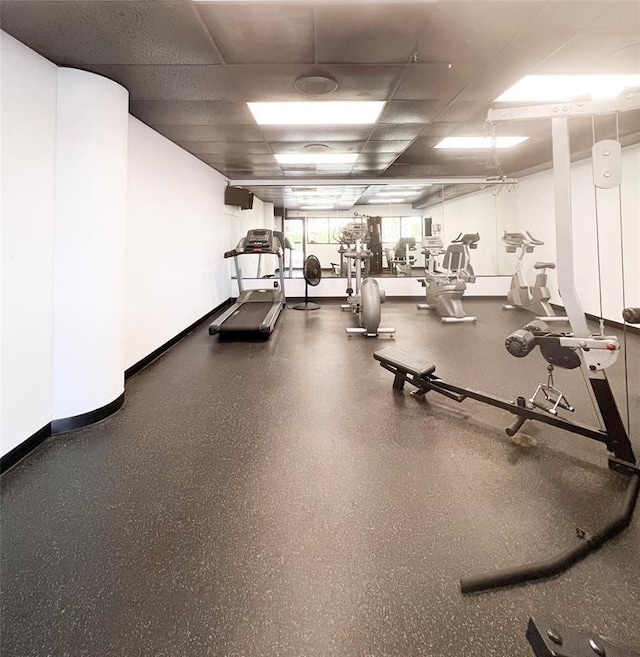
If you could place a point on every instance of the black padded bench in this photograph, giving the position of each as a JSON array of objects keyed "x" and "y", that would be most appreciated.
[{"x": 406, "y": 366}]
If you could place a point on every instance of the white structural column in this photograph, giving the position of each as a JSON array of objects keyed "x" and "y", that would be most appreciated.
[{"x": 91, "y": 206}]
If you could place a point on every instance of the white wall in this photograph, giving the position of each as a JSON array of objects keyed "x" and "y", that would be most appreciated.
[
  {"x": 91, "y": 211},
  {"x": 177, "y": 230},
  {"x": 29, "y": 87},
  {"x": 488, "y": 212}
]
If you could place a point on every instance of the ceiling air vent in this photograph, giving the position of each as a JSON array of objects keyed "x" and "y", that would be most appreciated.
[{"x": 315, "y": 85}]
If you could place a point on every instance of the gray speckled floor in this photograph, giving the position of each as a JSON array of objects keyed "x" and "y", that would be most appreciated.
[{"x": 279, "y": 499}]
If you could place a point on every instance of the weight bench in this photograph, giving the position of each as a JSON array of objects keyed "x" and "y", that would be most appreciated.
[
  {"x": 405, "y": 366},
  {"x": 408, "y": 367}
]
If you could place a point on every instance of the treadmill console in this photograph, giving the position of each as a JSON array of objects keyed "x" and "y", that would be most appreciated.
[{"x": 258, "y": 239}]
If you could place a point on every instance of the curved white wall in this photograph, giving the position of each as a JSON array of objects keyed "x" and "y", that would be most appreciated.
[
  {"x": 91, "y": 206},
  {"x": 27, "y": 252}
]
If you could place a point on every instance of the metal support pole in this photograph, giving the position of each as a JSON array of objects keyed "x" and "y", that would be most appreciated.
[{"x": 564, "y": 228}]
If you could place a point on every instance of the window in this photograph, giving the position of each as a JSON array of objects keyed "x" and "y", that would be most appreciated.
[
  {"x": 335, "y": 228},
  {"x": 293, "y": 229},
  {"x": 317, "y": 230},
  {"x": 411, "y": 227},
  {"x": 393, "y": 228},
  {"x": 325, "y": 230},
  {"x": 390, "y": 230}
]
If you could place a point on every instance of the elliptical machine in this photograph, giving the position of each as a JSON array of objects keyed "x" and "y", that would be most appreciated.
[
  {"x": 366, "y": 298},
  {"x": 534, "y": 298},
  {"x": 444, "y": 289}
]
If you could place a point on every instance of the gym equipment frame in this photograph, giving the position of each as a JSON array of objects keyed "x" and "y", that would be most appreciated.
[
  {"x": 255, "y": 312},
  {"x": 366, "y": 299},
  {"x": 444, "y": 290},
  {"x": 549, "y": 639},
  {"x": 592, "y": 354},
  {"x": 521, "y": 295}
]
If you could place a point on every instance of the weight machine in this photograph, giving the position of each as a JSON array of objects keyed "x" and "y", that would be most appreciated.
[{"x": 577, "y": 349}]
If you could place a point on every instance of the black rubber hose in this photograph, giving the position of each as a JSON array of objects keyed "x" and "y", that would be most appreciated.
[
  {"x": 562, "y": 562},
  {"x": 631, "y": 315}
]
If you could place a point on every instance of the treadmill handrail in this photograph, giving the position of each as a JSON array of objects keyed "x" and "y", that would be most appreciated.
[{"x": 258, "y": 250}]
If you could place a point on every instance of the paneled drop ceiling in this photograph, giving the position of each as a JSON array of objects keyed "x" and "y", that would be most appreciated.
[{"x": 190, "y": 68}]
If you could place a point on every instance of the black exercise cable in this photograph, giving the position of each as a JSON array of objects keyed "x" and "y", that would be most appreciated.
[
  {"x": 595, "y": 207},
  {"x": 561, "y": 563}
]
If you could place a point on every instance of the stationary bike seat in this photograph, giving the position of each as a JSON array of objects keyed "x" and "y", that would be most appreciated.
[{"x": 544, "y": 265}]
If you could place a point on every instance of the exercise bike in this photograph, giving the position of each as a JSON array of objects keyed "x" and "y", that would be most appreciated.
[
  {"x": 366, "y": 298},
  {"x": 534, "y": 298},
  {"x": 444, "y": 289}
]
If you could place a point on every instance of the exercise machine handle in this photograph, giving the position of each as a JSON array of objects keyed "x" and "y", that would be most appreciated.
[
  {"x": 231, "y": 254},
  {"x": 533, "y": 240}
]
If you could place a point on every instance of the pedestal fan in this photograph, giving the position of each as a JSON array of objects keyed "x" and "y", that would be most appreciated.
[{"x": 312, "y": 273}]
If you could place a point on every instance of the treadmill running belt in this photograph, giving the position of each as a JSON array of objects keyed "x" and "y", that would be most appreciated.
[{"x": 247, "y": 318}]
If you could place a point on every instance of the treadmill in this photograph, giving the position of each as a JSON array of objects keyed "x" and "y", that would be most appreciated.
[{"x": 255, "y": 312}]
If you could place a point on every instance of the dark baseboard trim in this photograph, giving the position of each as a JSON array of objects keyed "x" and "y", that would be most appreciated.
[
  {"x": 630, "y": 328},
  {"x": 24, "y": 448},
  {"x": 66, "y": 424},
  {"x": 55, "y": 428},
  {"x": 156, "y": 353}
]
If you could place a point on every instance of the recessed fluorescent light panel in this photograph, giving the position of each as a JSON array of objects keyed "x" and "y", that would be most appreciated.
[
  {"x": 566, "y": 87},
  {"x": 317, "y": 113},
  {"x": 395, "y": 194},
  {"x": 410, "y": 187},
  {"x": 386, "y": 200},
  {"x": 486, "y": 143},
  {"x": 316, "y": 194},
  {"x": 316, "y": 158},
  {"x": 323, "y": 206}
]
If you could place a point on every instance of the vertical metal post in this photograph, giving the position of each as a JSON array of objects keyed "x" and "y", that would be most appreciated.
[
  {"x": 599, "y": 389},
  {"x": 236, "y": 262},
  {"x": 280, "y": 257},
  {"x": 564, "y": 227}
]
